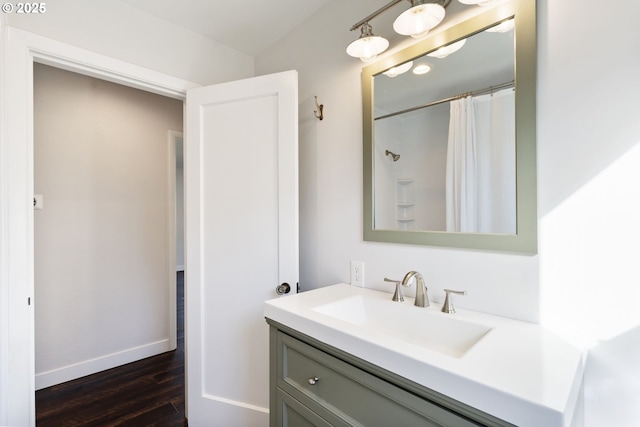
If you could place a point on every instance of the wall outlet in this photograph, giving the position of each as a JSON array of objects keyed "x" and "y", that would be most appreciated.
[{"x": 357, "y": 273}]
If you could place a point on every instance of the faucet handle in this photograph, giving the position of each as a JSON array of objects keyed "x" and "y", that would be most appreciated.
[
  {"x": 448, "y": 307},
  {"x": 397, "y": 296}
]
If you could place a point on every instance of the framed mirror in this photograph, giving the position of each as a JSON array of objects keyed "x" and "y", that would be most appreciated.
[{"x": 449, "y": 133}]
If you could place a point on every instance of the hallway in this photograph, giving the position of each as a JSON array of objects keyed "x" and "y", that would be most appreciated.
[{"x": 149, "y": 392}]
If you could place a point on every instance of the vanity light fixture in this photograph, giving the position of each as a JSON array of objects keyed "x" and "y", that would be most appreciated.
[
  {"x": 447, "y": 50},
  {"x": 400, "y": 69},
  {"x": 415, "y": 22},
  {"x": 368, "y": 45}
]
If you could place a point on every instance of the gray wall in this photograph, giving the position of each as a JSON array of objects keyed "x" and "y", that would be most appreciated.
[
  {"x": 102, "y": 254},
  {"x": 179, "y": 204}
]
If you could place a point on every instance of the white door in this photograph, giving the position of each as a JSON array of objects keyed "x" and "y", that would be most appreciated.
[{"x": 242, "y": 240}]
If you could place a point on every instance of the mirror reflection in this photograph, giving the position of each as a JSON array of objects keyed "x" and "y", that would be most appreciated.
[{"x": 445, "y": 140}]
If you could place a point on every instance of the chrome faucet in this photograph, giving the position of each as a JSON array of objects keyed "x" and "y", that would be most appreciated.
[{"x": 422, "y": 299}]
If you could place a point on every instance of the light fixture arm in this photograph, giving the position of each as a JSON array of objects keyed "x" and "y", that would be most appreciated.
[
  {"x": 443, "y": 3},
  {"x": 374, "y": 14}
]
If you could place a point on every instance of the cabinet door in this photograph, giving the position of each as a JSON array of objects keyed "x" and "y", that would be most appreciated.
[{"x": 292, "y": 413}]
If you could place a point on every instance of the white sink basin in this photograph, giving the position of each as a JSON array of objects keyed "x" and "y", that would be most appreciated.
[
  {"x": 436, "y": 331},
  {"x": 516, "y": 371}
]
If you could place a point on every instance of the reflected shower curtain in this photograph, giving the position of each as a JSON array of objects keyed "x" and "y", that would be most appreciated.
[
  {"x": 481, "y": 164},
  {"x": 461, "y": 182}
]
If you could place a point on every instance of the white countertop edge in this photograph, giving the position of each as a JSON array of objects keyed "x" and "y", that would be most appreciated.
[{"x": 509, "y": 405}]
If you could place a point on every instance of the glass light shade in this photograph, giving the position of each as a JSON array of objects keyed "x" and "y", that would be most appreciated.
[
  {"x": 400, "y": 69},
  {"x": 445, "y": 51},
  {"x": 421, "y": 69},
  {"x": 417, "y": 21},
  {"x": 368, "y": 46}
]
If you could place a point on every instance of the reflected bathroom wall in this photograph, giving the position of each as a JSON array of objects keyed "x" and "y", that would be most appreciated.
[{"x": 410, "y": 192}]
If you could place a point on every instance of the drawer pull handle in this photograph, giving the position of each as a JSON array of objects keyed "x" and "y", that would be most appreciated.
[{"x": 312, "y": 380}]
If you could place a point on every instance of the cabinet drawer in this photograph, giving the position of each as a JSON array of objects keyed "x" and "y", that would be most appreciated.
[{"x": 352, "y": 394}]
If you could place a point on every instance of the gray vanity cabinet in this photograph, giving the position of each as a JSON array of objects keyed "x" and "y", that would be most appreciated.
[{"x": 313, "y": 384}]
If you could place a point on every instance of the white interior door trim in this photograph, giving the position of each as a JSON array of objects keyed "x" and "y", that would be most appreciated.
[
  {"x": 172, "y": 136},
  {"x": 20, "y": 49}
]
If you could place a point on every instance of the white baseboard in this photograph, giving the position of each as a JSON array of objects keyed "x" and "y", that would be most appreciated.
[{"x": 88, "y": 367}]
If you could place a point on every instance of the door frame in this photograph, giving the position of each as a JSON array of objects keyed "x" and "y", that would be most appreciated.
[
  {"x": 172, "y": 215},
  {"x": 20, "y": 50}
]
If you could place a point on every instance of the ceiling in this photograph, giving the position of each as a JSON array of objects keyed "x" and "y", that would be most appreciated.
[{"x": 249, "y": 26}]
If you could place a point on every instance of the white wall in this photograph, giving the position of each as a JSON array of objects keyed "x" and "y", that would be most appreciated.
[
  {"x": 589, "y": 203},
  {"x": 331, "y": 183},
  {"x": 115, "y": 29},
  {"x": 420, "y": 138},
  {"x": 584, "y": 282},
  {"x": 102, "y": 241}
]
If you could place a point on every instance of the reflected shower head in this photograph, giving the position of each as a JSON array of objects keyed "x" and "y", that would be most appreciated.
[{"x": 394, "y": 156}]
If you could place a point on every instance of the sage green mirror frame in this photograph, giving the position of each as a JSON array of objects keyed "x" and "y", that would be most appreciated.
[{"x": 525, "y": 240}]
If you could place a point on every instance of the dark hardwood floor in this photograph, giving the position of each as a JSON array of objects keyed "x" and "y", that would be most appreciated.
[{"x": 148, "y": 392}]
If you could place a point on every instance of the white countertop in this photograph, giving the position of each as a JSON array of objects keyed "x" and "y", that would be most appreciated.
[{"x": 518, "y": 372}]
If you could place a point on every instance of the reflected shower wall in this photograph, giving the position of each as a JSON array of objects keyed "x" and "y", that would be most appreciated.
[{"x": 410, "y": 192}]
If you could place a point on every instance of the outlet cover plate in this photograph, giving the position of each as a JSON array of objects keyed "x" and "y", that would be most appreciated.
[{"x": 357, "y": 273}]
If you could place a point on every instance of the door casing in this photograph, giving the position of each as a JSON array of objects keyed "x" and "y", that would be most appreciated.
[{"x": 21, "y": 50}]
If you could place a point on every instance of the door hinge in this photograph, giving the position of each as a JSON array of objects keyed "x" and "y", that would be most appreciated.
[{"x": 29, "y": 301}]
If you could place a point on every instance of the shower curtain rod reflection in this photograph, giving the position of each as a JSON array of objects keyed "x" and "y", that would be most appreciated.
[{"x": 489, "y": 89}]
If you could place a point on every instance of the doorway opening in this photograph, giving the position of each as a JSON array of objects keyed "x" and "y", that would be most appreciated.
[
  {"x": 22, "y": 50},
  {"x": 105, "y": 236}
]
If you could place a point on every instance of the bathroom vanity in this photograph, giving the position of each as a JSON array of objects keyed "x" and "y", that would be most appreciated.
[
  {"x": 318, "y": 385},
  {"x": 345, "y": 356}
]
